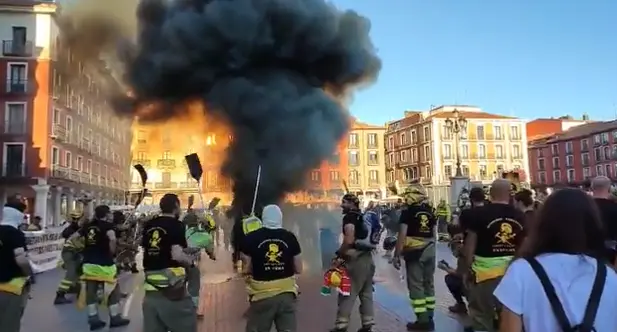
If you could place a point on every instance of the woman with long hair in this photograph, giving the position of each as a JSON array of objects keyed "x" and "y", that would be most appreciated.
[{"x": 565, "y": 246}]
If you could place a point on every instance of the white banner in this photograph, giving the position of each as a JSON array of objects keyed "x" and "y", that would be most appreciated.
[{"x": 44, "y": 248}]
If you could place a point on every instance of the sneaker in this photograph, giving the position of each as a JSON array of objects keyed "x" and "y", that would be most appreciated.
[{"x": 421, "y": 326}]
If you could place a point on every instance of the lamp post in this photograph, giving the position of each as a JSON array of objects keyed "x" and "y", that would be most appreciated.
[{"x": 457, "y": 125}]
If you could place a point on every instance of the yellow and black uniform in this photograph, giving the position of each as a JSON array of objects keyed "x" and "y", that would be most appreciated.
[
  {"x": 99, "y": 272},
  {"x": 166, "y": 304},
  {"x": 419, "y": 255},
  {"x": 500, "y": 230},
  {"x": 272, "y": 286},
  {"x": 71, "y": 262},
  {"x": 13, "y": 280}
]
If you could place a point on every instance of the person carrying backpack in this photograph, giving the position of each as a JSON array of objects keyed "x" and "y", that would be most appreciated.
[{"x": 360, "y": 238}]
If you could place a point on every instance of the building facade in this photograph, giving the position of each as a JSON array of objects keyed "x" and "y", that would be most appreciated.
[
  {"x": 366, "y": 160},
  {"x": 162, "y": 153},
  {"x": 60, "y": 140},
  {"x": 422, "y": 147},
  {"x": 539, "y": 128},
  {"x": 327, "y": 180},
  {"x": 575, "y": 155}
]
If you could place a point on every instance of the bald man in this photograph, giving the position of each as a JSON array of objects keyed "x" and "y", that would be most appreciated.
[
  {"x": 601, "y": 191},
  {"x": 493, "y": 236}
]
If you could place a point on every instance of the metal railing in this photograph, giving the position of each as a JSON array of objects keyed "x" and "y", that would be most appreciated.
[
  {"x": 19, "y": 86},
  {"x": 143, "y": 162},
  {"x": 17, "y": 48},
  {"x": 166, "y": 163}
]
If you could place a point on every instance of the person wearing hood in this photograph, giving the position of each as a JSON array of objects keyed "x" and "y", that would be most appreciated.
[
  {"x": 271, "y": 259},
  {"x": 15, "y": 271}
]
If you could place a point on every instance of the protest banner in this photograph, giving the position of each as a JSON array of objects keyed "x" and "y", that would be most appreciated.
[{"x": 44, "y": 248}]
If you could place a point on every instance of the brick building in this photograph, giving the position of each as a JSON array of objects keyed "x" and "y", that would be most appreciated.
[
  {"x": 574, "y": 155},
  {"x": 59, "y": 139}
]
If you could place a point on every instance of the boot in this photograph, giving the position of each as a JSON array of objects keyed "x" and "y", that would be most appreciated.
[
  {"x": 366, "y": 329},
  {"x": 337, "y": 329},
  {"x": 418, "y": 326},
  {"x": 96, "y": 323},
  {"x": 459, "y": 309},
  {"x": 61, "y": 298},
  {"x": 118, "y": 321}
]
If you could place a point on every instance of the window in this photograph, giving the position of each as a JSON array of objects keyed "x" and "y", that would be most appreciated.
[
  {"x": 614, "y": 152},
  {"x": 604, "y": 138},
  {"x": 555, "y": 149},
  {"x": 334, "y": 176},
  {"x": 542, "y": 177},
  {"x": 354, "y": 178},
  {"x": 597, "y": 154},
  {"x": 391, "y": 142},
  {"x": 555, "y": 162},
  {"x": 403, "y": 139},
  {"x": 585, "y": 159},
  {"x": 584, "y": 145},
  {"x": 353, "y": 141},
  {"x": 557, "y": 176},
  {"x": 447, "y": 151},
  {"x": 569, "y": 161},
  {"x": 17, "y": 78},
  {"x": 498, "y": 132},
  {"x": 571, "y": 175},
  {"x": 14, "y": 159},
  {"x": 414, "y": 137},
  {"x": 481, "y": 151},
  {"x": 427, "y": 133},
  {"x": 499, "y": 168},
  {"x": 372, "y": 141},
  {"x": 499, "y": 151},
  {"x": 516, "y": 151},
  {"x": 373, "y": 158},
  {"x": 141, "y": 136},
  {"x": 447, "y": 133},
  {"x": 80, "y": 164},
  {"x": 316, "y": 176},
  {"x": 68, "y": 160},
  {"x": 599, "y": 170},
  {"x": 403, "y": 156},
  {"x": 607, "y": 153},
  {"x": 465, "y": 170},
  {"x": 335, "y": 159},
  {"x": 69, "y": 127},
  {"x": 541, "y": 164},
  {"x": 447, "y": 171},
  {"x": 15, "y": 118},
  {"x": 89, "y": 166},
  {"x": 55, "y": 156},
  {"x": 607, "y": 170},
  {"x": 480, "y": 132},
  {"x": 464, "y": 151},
  {"x": 414, "y": 155},
  {"x": 354, "y": 160},
  {"x": 80, "y": 129},
  {"x": 427, "y": 153},
  {"x": 569, "y": 148},
  {"x": 166, "y": 155},
  {"x": 373, "y": 177},
  {"x": 515, "y": 132},
  {"x": 586, "y": 172},
  {"x": 596, "y": 139},
  {"x": 391, "y": 159},
  {"x": 482, "y": 170},
  {"x": 56, "y": 117},
  {"x": 18, "y": 43},
  {"x": 428, "y": 172}
]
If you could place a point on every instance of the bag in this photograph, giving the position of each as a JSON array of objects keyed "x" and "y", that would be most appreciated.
[
  {"x": 592, "y": 304},
  {"x": 370, "y": 229}
]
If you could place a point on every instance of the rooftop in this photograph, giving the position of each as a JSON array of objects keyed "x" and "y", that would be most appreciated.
[{"x": 585, "y": 130}]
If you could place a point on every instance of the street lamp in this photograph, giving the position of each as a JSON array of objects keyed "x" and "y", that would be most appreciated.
[{"x": 457, "y": 125}]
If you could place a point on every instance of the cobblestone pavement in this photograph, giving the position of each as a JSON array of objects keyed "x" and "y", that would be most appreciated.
[{"x": 224, "y": 301}]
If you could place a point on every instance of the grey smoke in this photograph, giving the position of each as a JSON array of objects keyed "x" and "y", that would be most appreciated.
[{"x": 262, "y": 66}]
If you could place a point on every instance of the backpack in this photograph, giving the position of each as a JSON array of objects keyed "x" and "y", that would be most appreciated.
[
  {"x": 592, "y": 304},
  {"x": 369, "y": 229}
]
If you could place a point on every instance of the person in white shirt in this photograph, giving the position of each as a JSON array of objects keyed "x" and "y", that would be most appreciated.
[{"x": 567, "y": 241}]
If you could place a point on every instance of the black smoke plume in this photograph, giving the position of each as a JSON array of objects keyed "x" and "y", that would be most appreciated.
[{"x": 275, "y": 71}]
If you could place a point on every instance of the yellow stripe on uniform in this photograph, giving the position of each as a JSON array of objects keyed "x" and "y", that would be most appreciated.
[
  {"x": 15, "y": 286},
  {"x": 418, "y": 305},
  {"x": 430, "y": 302}
]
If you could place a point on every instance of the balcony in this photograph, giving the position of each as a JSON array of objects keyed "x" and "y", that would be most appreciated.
[
  {"x": 143, "y": 162},
  {"x": 15, "y": 48},
  {"x": 165, "y": 185},
  {"x": 166, "y": 163},
  {"x": 187, "y": 185},
  {"x": 14, "y": 170},
  {"x": 19, "y": 86},
  {"x": 517, "y": 156},
  {"x": 14, "y": 127}
]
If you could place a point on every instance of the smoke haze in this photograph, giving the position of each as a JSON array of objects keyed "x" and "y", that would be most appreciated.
[{"x": 274, "y": 71}]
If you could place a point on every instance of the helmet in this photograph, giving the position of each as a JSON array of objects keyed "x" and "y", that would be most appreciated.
[
  {"x": 389, "y": 243},
  {"x": 415, "y": 193},
  {"x": 351, "y": 198}
]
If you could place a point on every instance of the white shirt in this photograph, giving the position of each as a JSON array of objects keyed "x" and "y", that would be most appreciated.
[{"x": 572, "y": 277}]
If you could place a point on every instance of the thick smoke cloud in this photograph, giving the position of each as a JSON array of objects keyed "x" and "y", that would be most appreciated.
[{"x": 275, "y": 71}]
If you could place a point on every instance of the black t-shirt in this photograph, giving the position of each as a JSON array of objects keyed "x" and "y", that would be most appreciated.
[
  {"x": 466, "y": 218},
  {"x": 272, "y": 253},
  {"x": 11, "y": 238},
  {"x": 70, "y": 230},
  {"x": 96, "y": 245},
  {"x": 608, "y": 211},
  {"x": 420, "y": 221},
  {"x": 355, "y": 218},
  {"x": 500, "y": 229},
  {"x": 158, "y": 236}
]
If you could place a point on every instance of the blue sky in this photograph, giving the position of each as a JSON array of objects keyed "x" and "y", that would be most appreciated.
[{"x": 525, "y": 58}]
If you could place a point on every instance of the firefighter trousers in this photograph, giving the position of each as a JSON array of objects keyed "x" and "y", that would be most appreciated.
[
  {"x": 361, "y": 271},
  {"x": 279, "y": 310},
  {"x": 420, "y": 271},
  {"x": 13, "y": 307},
  {"x": 161, "y": 314},
  {"x": 72, "y": 266},
  {"x": 482, "y": 305},
  {"x": 193, "y": 276}
]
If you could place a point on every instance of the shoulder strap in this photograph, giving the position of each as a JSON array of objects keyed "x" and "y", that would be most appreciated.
[
  {"x": 549, "y": 290},
  {"x": 594, "y": 299}
]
